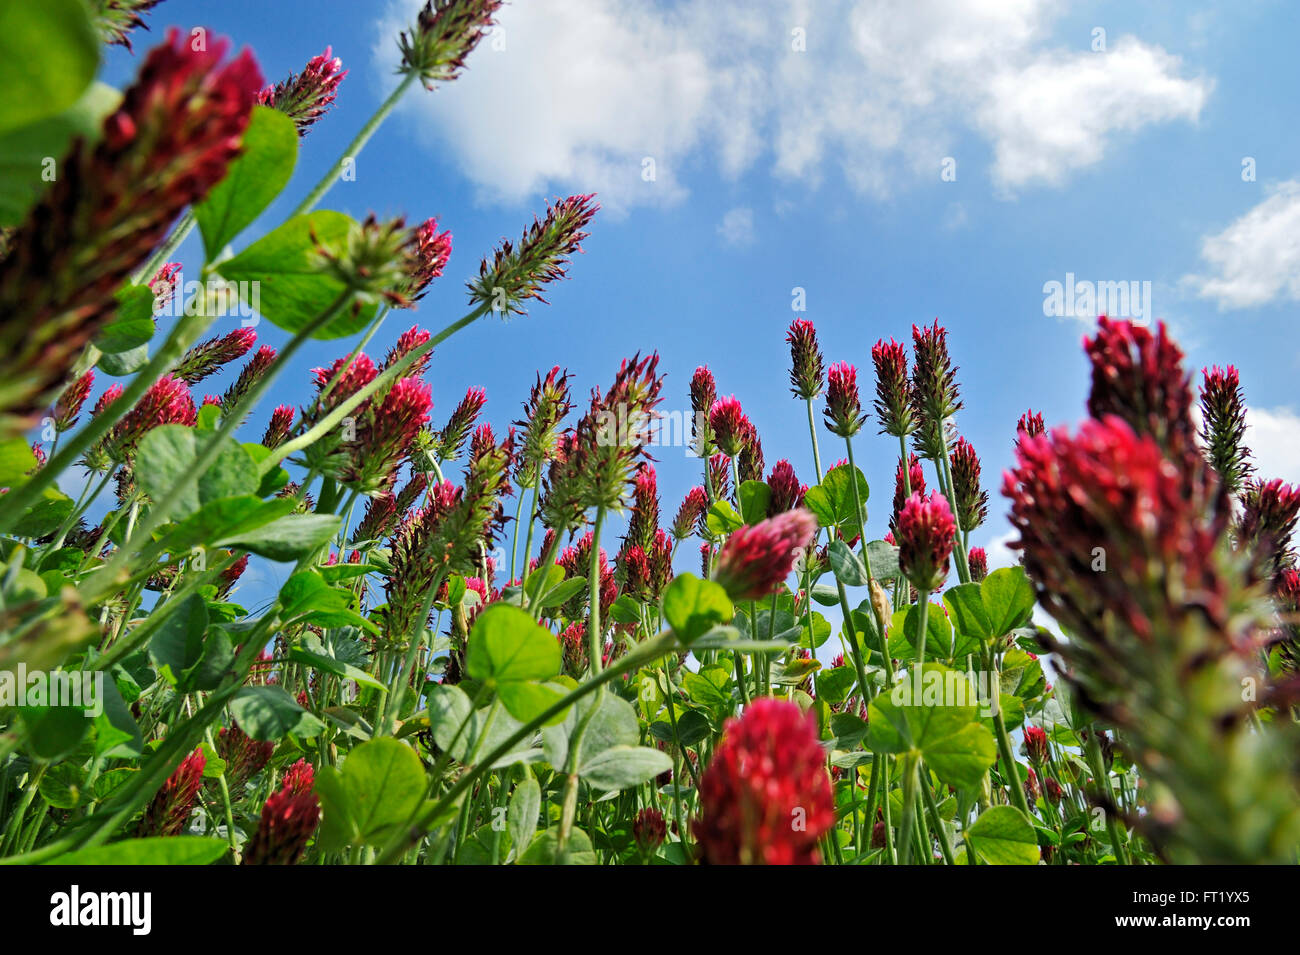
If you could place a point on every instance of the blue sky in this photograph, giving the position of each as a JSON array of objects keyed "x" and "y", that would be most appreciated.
[{"x": 802, "y": 145}]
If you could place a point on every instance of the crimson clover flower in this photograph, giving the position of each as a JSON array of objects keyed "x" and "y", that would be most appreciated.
[
  {"x": 757, "y": 558},
  {"x": 116, "y": 19},
  {"x": 171, "y": 139},
  {"x": 690, "y": 513},
  {"x": 729, "y": 425},
  {"x": 765, "y": 798},
  {"x": 1268, "y": 517},
  {"x": 167, "y": 401},
  {"x": 905, "y": 485},
  {"x": 787, "y": 492},
  {"x": 299, "y": 778},
  {"x": 444, "y": 34},
  {"x": 1223, "y": 427},
  {"x": 720, "y": 476},
  {"x": 249, "y": 376},
  {"x": 749, "y": 466},
  {"x": 71, "y": 400},
  {"x": 547, "y": 406},
  {"x": 1036, "y": 744},
  {"x": 206, "y": 358},
  {"x": 807, "y": 377},
  {"x": 934, "y": 389},
  {"x": 169, "y": 810},
  {"x": 978, "y": 563},
  {"x": 304, "y": 97},
  {"x": 647, "y": 570},
  {"x": 278, "y": 428},
  {"x": 374, "y": 260},
  {"x": 517, "y": 273},
  {"x": 644, "y": 520},
  {"x": 972, "y": 500},
  {"x": 704, "y": 394},
  {"x": 407, "y": 342},
  {"x": 925, "y": 540},
  {"x": 431, "y": 254},
  {"x": 245, "y": 757},
  {"x": 1030, "y": 424},
  {"x": 1138, "y": 376},
  {"x": 893, "y": 390},
  {"x": 289, "y": 820},
  {"x": 649, "y": 829},
  {"x": 385, "y": 436},
  {"x": 450, "y": 441},
  {"x": 843, "y": 412}
]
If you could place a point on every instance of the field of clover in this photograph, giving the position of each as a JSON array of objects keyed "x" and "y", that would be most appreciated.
[{"x": 664, "y": 697}]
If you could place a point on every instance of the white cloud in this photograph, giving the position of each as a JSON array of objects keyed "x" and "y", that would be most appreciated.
[
  {"x": 878, "y": 91},
  {"x": 1273, "y": 434},
  {"x": 1256, "y": 259},
  {"x": 737, "y": 227}
]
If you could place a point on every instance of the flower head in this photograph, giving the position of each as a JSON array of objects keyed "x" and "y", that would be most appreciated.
[
  {"x": 547, "y": 406},
  {"x": 972, "y": 500},
  {"x": 934, "y": 389},
  {"x": 757, "y": 558},
  {"x": 765, "y": 798},
  {"x": 1138, "y": 376},
  {"x": 208, "y": 357},
  {"x": 304, "y": 97},
  {"x": 249, "y": 375},
  {"x": 444, "y": 34},
  {"x": 169, "y": 811},
  {"x": 1268, "y": 519},
  {"x": 690, "y": 513},
  {"x": 807, "y": 377},
  {"x": 451, "y": 439},
  {"x": 925, "y": 538},
  {"x": 431, "y": 255},
  {"x": 844, "y": 415},
  {"x": 1030, "y": 424},
  {"x": 704, "y": 394},
  {"x": 978, "y": 562},
  {"x": 289, "y": 820},
  {"x": 407, "y": 342},
  {"x": 1223, "y": 428},
  {"x": 893, "y": 390},
  {"x": 167, "y": 401},
  {"x": 906, "y": 483},
  {"x": 750, "y": 463},
  {"x": 518, "y": 273},
  {"x": 117, "y": 18},
  {"x": 649, "y": 829},
  {"x": 787, "y": 492},
  {"x": 70, "y": 401},
  {"x": 729, "y": 425},
  {"x": 1036, "y": 744},
  {"x": 171, "y": 139}
]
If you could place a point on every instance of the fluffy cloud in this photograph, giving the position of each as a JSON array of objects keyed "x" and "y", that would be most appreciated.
[
  {"x": 1274, "y": 437},
  {"x": 1256, "y": 259},
  {"x": 622, "y": 96},
  {"x": 737, "y": 227}
]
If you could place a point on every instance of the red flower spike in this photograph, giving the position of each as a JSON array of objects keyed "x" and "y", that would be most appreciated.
[
  {"x": 756, "y": 559},
  {"x": 925, "y": 540},
  {"x": 765, "y": 799}
]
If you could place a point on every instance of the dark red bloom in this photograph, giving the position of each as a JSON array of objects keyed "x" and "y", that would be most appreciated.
[
  {"x": 245, "y": 757},
  {"x": 167, "y": 401},
  {"x": 451, "y": 439},
  {"x": 1052, "y": 790},
  {"x": 208, "y": 357},
  {"x": 230, "y": 576},
  {"x": 729, "y": 425},
  {"x": 1268, "y": 517},
  {"x": 432, "y": 253},
  {"x": 304, "y": 97},
  {"x": 547, "y": 406},
  {"x": 644, "y": 522},
  {"x": 299, "y": 778},
  {"x": 843, "y": 410},
  {"x": 649, "y": 829},
  {"x": 757, "y": 558},
  {"x": 978, "y": 562},
  {"x": 893, "y": 390},
  {"x": 407, "y": 342},
  {"x": 70, "y": 401},
  {"x": 691, "y": 512},
  {"x": 289, "y": 820},
  {"x": 169, "y": 811},
  {"x": 807, "y": 377},
  {"x": 749, "y": 466},
  {"x": 787, "y": 492},
  {"x": 1036, "y": 744},
  {"x": 765, "y": 798},
  {"x": 1031, "y": 424},
  {"x": 177, "y": 129},
  {"x": 1138, "y": 376},
  {"x": 925, "y": 540},
  {"x": 906, "y": 483},
  {"x": 278, "y": 428}
]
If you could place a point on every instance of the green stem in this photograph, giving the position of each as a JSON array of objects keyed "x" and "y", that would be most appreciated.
[
  {"x": 354, "y": 148},
  {"x": 812, "y": 431},
  {"x": 594, "y": 635}
]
